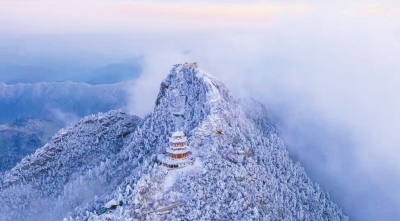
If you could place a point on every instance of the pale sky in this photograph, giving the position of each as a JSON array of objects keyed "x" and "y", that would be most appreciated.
[{"x": 78, "y": 17}]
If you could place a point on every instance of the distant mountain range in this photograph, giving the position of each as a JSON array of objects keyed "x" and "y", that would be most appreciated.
[
  {"x": 22, "y": 137},
  {"x": 64, "y": 101},
  {"x": 108, "y": 74},
  {"x": 30, "y": 114}
]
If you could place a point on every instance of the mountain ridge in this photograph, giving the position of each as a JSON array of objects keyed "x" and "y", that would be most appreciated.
[
  {"x": 22, "y": 137},
  {"x": 242, "y": 173},
  {"x": 66, "y": 101}
]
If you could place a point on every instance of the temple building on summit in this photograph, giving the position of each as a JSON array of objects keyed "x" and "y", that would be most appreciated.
[
  {"x": 194, "y": 64},
  {"x": 178, "y": 154}
]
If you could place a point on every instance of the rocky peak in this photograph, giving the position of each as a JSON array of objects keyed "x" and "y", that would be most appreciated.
[{"x": 242, "y": 169}]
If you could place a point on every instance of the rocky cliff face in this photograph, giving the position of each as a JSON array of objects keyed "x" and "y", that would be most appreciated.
[{"x": 242, "y": 169}]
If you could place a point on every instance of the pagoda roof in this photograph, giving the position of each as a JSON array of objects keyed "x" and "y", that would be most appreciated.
[
  {"x": 178, "y": 134},
  {"x": 179, "y": 148},
  {"x": 175, "y": 140},
  {"x": 165, "y": 159},
  {"x": 177, "y": 151}
]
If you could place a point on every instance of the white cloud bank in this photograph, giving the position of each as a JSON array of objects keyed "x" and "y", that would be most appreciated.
[{"x": 330, "y": 80}]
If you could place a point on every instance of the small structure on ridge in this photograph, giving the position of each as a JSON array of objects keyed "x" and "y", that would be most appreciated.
[
  {"x": 194, "y": 64},
  {"x": 178, "y": 154}
]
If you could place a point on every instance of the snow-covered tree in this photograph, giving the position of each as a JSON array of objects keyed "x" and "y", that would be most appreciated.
[{"x": 242, "y": 170}]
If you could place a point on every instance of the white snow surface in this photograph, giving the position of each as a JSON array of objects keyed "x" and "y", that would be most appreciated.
[
  {"x": 243, "y": 173},
  {"x": 172, "y": 175},
  {"x": 213, "y": 94},
  {"x": 111, "y": 203},
  {"x": 178, "y": 133}
]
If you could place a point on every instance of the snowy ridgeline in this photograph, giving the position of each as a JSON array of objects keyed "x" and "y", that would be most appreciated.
[
  {"x": 242, "y": 170},
  {"x": 67, "y": 171}
]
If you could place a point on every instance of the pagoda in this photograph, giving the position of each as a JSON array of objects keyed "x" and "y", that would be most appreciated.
[{"x": 178, "y": 154}]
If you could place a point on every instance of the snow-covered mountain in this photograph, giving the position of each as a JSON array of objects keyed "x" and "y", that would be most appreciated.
[
  {"x": 22, "y": 137},
  {"x": 60, "y": 100},
  {"x": 53, "y": 177},
  {"x": 242, "y": 169}
]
